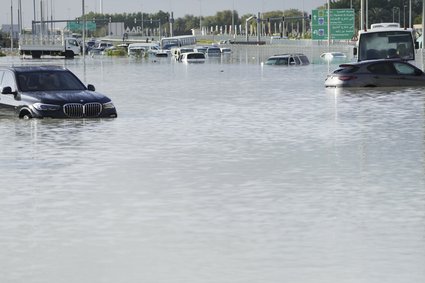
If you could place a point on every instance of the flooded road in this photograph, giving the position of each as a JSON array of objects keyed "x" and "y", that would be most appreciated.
[{"x": 223, "y": 172}]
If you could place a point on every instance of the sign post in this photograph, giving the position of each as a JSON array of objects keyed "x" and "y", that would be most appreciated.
[{"x": 341, "y": 24}]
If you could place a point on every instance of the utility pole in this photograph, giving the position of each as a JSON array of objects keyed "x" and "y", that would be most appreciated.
[
  {"x": 362, "y": 21},
  {"x": 84, "y": 29},
  {"x": 11, "y": 25},
  {"x": 329, "y": 23},
  {"x": 233, "y": 19},
  {"x": 20, "y": 16},
  {"x": 423, "y": 24},
  {"x": 33, "y": 2}
]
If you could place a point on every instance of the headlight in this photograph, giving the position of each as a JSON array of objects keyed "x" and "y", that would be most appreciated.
[
  {"x": 46, "y": 107},
  {"x": 108, "y": 105}
]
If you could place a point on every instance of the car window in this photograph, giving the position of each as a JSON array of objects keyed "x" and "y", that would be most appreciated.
[
  {"x": 1, "y": 77},
  {"x": 297, "y": 61},
  {"x": 304, "y": 60},
  {"x": 282, "y": 61},
  {"x": 383, "y": 68},
  {"x": 8, "y": 80},
  {"x": 49, "y": 80},
  {"x": 404, "y": 69},
  {"x": 271, "y": 61},
  {"x": 72, "y": 42}
]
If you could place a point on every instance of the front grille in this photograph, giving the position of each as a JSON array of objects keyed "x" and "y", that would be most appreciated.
[{"x": 78, "y": 110}]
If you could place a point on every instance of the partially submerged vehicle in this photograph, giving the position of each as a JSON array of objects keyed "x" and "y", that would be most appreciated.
[
  {"x": 213, "y": 51},
  {"x": 100, "y": 48},
  {"x": 50, "y": 91},
  {"x": 385, "y": 41},
  {"x": 177, "y": 52},
  {"x": 193, "y": 57},
  {"x": 142, "y": 49},
  {"x": 376, "y": 73},
  {"x": 51, "y": 45},
  {"x": 333, "y": 56},
  {"x": 290, "y": 59}
]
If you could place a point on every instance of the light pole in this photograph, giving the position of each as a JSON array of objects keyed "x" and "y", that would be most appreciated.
[
  {"x": 410, "y": 13},
  {"x": 233, "y": 19},
  {"x": 200, "y": 15},
  {"x": 11, "y": 25},
  {"x": 394, "y": 10},
  {"x": 404, "y": 15},
  {"x": 84, "y": 30},
  {"x": 423, "y": 25}
]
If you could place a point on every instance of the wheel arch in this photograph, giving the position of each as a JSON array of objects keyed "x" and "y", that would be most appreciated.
[{"x": 25, "y": 111}]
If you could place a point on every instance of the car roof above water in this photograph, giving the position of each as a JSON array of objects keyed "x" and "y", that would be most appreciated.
[
  {"x": 33, "y": 68},
  {"x": 287, "y": 55}
]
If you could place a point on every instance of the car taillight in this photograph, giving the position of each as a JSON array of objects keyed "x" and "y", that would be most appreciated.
[{"x": 347, "y": 78}]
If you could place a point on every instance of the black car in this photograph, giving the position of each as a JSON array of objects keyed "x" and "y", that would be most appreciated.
[
  {"x": 50, "y": 91},
  {"x": 376, "y": 73}
]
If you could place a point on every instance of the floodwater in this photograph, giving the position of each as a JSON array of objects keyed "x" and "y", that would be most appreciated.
[{"x": 223, "y": 172}]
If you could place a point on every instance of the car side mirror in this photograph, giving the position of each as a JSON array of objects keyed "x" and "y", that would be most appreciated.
[
  {"x": 416, "y": 45},
  {"x": 8, "y": 90},
  {"x": 91, "y": 87},
  {"x": 355, "y": 51}
]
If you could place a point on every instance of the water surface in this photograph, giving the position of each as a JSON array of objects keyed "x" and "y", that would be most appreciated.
[{"x": 223, "y": 172}]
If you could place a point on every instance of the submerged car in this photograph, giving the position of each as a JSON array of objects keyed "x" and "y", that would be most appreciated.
[
  {"x": 192, "y": 57},
  {"x": 333, "y": 56},
  {"x": 294, "y": 59},
  {"x": 50, "y": 91},
  {"x": 376, "y": 73}
]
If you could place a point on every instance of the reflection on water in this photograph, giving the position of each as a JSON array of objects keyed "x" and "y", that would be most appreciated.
[{"x": 217, "y": 172}]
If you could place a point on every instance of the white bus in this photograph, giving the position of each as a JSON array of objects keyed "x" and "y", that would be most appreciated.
[{"x": 177, "y": 41}]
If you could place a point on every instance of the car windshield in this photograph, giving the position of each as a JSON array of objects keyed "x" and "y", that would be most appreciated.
[
  {"x": 381, "y": 45},
  {"x": 48, "y": 81}
]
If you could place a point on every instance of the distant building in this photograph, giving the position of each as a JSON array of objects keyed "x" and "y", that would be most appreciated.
[{"x": 7, "y": 28}]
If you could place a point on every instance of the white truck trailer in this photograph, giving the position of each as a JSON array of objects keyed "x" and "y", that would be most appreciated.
[{"x": 53, "y": 45}]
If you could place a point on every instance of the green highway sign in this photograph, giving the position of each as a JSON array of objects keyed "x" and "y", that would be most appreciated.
[
  {"x": 78, "y": 26},
  {"x": 341, "y": 24}
]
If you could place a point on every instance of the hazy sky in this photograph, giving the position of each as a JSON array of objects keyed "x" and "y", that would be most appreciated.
[{"x": 69, "y": 9}]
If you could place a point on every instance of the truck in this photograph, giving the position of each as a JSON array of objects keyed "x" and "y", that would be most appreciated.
[
  {"x": 384, "y": 41},
  {"x": 53, "y": 45}
]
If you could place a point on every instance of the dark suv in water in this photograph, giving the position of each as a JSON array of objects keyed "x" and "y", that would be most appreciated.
[{"x": 50, "y": 91}]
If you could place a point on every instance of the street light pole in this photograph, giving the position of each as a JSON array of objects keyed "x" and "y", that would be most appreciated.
[
  {"x": 329, "y": 23},
  {"x": 423, "y": 25},
  {"x": 362, "y": 14},
  {"x": 84, "y": 30},
  {"x": 404, "y": 16},
  {"x": 233, "y": 19},
  {"x": 11, "y": 25},
  {"x": 394, "y": 11}
]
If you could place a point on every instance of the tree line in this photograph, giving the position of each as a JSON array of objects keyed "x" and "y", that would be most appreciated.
[{"x": 378, "y": 11}]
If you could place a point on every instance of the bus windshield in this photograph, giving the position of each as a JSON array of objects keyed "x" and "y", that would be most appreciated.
[{"x": 386, "y": 44}]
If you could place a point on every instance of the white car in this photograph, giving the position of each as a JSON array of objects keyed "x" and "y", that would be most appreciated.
[
  {"x": 193, "y": 57},
  {"x": 294, "y": 59},
  {"x": 333, "y": 56}
]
